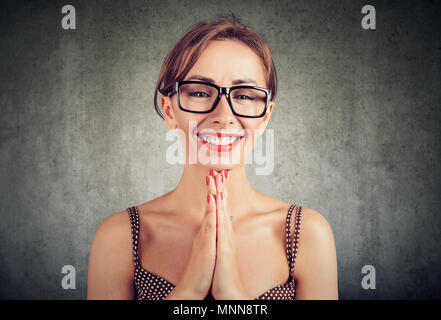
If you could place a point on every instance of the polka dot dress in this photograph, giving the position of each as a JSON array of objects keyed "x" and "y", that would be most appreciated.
[{"x": 150, "y": 286}]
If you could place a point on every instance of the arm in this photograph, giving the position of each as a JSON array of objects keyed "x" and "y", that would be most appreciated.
[
  {"x": 316, "y": 264},
  {"x": 111, "y": 269}
]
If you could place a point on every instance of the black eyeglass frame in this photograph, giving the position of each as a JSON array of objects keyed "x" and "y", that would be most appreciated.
[{"x": 176, "y": 86}]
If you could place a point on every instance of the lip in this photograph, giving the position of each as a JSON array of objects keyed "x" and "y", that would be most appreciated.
[
  {"x": 220, "y": 148},
  {"x": 220, "y": 134}
]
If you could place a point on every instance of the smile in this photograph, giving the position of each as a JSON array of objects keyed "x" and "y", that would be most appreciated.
[{"x": 219, "y": 142}]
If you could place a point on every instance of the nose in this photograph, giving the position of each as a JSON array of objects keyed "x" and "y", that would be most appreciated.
[{"x": 223, "y": 112}]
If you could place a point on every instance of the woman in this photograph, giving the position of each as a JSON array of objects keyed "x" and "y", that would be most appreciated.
[{"x": 186, "y": 244}]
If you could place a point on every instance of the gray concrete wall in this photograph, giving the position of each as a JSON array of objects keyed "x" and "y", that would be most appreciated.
[{"x": 357, "y": 128}]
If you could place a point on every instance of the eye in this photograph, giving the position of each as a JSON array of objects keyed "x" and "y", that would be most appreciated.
[
  {"x": 198, "y": 94},
  {"x": 244, "y": 97}
]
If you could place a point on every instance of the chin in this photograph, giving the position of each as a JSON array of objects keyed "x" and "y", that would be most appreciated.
[{"x": 219, "y": 166}]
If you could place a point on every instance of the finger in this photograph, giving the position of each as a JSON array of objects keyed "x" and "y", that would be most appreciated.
[
  {"x": 224, "y": 183},
  {"x": 211, "y": 185},
  {"x": 210, "y": 219},
  {"x": 214, "y": 174},
  {"x": 224, "y": 174},
  {"x": 224, "y": 218},
  {"x": 224, "y": 213},
  {"x": 220, "y": 223},
  {"x": 219, "y": 183}
]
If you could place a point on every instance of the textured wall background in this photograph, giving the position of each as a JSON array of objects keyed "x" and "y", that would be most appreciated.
[{"x": 357, "y": 128}]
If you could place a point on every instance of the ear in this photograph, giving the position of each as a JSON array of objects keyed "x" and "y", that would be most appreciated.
[
  {"x": 168, "y": 112},
  {"x": 266, "y": 117}
]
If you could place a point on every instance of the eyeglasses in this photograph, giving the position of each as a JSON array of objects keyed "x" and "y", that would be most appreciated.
[{"x": 203, "y": 97}]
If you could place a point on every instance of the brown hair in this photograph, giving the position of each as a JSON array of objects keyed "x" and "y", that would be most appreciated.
[{"x": 188, "y": 49}]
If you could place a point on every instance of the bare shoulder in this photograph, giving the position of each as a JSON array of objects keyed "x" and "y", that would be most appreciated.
[
  {"x": 111, "y": 268},
  {"x": 314, "y": 226},
  {"x": 315, "y": 238},
  {"x": 316, "y": 262},
  {"x": 114, "y": 229}
]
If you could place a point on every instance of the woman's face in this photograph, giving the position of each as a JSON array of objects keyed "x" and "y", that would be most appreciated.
[{"x": 224, "y": 62}]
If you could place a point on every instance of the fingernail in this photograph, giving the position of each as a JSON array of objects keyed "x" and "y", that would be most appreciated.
[
  {"x": 207, "y": 179},
  {"x": 212, "y": 173},
  {"x": 222, "y": 178},
  {"x": 226, "y": 174},
  {"x": 208, "y": 198},
  {"x": 222, "y": 197}
]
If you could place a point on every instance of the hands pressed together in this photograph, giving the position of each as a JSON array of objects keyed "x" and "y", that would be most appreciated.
[{"x": 213, "y": 264}]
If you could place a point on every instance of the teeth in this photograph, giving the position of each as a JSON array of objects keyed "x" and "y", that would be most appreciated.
[{"x": 219, "y": 141}]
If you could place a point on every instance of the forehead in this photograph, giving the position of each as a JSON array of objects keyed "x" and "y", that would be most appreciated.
[{"x": 227, "y": 60}]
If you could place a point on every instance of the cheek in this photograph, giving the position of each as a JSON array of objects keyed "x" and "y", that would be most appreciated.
[
  {"x": 186, "y": 121},
  {"x": 252, "y": 131},
  {"x": 188, "y": 127}
]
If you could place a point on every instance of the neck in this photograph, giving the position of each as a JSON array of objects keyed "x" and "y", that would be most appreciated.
[{"x": 190, "y": 195}]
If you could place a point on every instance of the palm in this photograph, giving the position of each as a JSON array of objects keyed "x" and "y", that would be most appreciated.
[{"x": 226, "y": 282}]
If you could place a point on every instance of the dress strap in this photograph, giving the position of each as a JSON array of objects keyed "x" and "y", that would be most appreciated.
[
  {"x": 291, "y": 248},
  {"x": 134, "y": 224},
  {"x": 296, "y": 235},
  {"x": 288, "y": 240}
]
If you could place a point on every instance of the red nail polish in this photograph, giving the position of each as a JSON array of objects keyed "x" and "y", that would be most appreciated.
[
  {"x": 226, "y": 174},
  {"x": 212, "y": 173},
  {"x": 208, "y": 198},
  {"x": 222, "y": 178},
  {"x": 207, "y": 180},
  {"x": 222, "y": 197}
]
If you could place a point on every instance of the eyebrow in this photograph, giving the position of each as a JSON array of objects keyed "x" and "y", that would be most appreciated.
[{"x": 235, "y": 82}]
